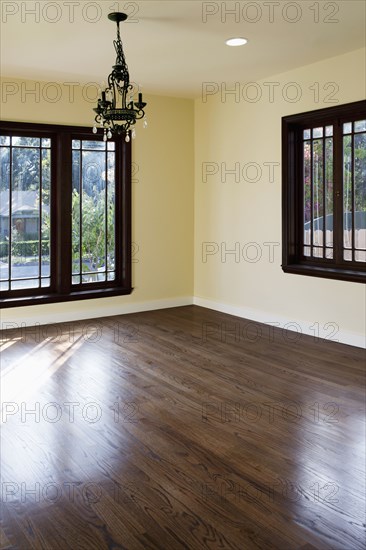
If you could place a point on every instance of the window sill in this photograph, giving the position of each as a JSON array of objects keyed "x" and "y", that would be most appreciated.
[
  {"x": 22, "y": 301},
  {"x": 326, "y": 272}
]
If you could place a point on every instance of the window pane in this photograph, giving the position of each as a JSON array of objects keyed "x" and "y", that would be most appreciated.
[
  {"x": 96, "y": 145},
  {"x": 111, "y": 223},
  {"x": 25, "y": 216},
  {"x": 24, "y": 213},
  {"x": 360, "y": 126},
  {"x": 329, "y": 131},
  {"x": 25, "y": 168},
  {"x": 25, "y": 141},
  {"x": 25, "y": 283},
  {"x": 360, "y": 193},
  {"x": 307, "y": 134},
  {"x": 307, "y": 197},
  {"x": 347, "y": 128},
  {"x": 4, "y": 212},
  {"x": 347, "y": 196},
  {"x": 329, "y": 196},
  {"x": 45, "y": 214},
  {"x": 318, "y": 195},
  {"x": 317, "y": 132},
  {"x": 75, "y": 208},
  {"x": 93, "y": 211},
  {"x": 4, "y": 140}
]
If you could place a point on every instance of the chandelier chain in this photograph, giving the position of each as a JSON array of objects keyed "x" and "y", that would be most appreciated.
[{"x": 118, "y": 46}]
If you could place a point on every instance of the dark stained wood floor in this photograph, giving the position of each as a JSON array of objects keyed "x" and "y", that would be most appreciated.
[{"x": 181, "y": 428}]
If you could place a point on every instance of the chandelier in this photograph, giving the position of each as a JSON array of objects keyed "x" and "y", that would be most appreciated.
[{"x": 116, "y": 110}]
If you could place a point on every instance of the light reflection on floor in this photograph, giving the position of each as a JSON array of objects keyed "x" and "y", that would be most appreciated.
[{"x": 23, "y": 378}]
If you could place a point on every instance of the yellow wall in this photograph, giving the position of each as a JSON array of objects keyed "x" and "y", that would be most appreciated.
[
  {"x": 245, "y": 132},
  {"x": 162, "y": 196}
]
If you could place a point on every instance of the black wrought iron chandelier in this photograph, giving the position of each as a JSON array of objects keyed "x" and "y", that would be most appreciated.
[{"x": 116, "y": 110}]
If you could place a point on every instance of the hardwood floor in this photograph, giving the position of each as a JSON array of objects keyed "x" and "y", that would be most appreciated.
[{"x": 181, "y": 428}]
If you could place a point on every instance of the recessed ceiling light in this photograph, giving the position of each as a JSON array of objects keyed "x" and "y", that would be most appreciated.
[{"x": 236, "y": 41}]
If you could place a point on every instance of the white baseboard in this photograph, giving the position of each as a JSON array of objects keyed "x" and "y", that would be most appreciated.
[
  {"x": 9, "y": 321},
  {"x": 327, "y": 332},
  {"x": 17, "y": 320}
]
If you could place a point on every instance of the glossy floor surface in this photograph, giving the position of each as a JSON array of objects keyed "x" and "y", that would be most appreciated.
[{"x": 181, "y": 429}]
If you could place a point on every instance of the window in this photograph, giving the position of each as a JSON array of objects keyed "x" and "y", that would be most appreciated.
[
  {"x": 65, "y": 215},
  {"x": 324, "y": 193}
]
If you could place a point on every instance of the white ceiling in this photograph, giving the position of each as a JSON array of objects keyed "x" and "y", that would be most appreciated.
[{"x": 169, "y": 48}]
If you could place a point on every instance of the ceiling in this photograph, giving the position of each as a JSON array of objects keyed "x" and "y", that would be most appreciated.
[{"x": 172, "y": 47}]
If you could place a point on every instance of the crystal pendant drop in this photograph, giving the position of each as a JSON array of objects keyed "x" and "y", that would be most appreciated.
[
  {"x": 95, "y": 130},
  {"x": 127, "y": 138},
  {"x": 109, "y": 135},
  {"x": 105, "y": 135}
]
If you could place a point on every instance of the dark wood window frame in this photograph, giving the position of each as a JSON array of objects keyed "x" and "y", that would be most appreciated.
[
  {"x": 293, "y": 260},
  {"x": 61, "y": 289}
]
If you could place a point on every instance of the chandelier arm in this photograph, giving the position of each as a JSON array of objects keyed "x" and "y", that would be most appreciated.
[
  {"x": 140, "y": 115},
  {"x": 112, "y": 91}
]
